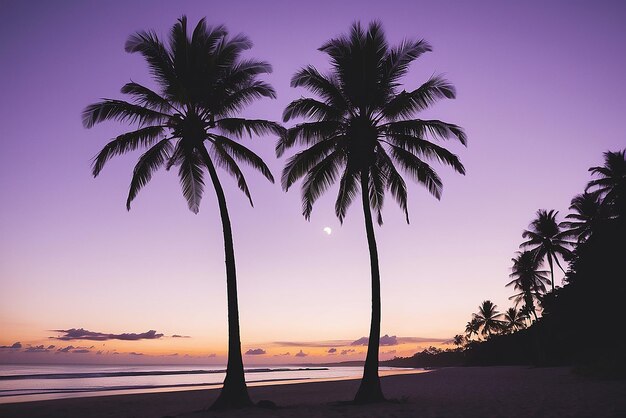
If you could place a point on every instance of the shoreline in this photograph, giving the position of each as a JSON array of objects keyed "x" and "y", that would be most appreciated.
[{"x": 448, "y": 392}]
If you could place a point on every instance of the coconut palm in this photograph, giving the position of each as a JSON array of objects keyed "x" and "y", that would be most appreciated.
[
  {"x": 528, "y": 280},
  {"x": 514, "y": 320},
  {"x": 363, "y": 129},
  {"x": 472, "y": 328},
  {"x": 546, "y": 238},
  {"x": 611, "y": 181},
  {"x": 488, "y": 318},
  {"x": 189, "y": 123},
  {"x": 587, "y": 212}
]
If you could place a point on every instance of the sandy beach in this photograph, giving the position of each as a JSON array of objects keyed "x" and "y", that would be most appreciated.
[{"x": 449, "y": 392}]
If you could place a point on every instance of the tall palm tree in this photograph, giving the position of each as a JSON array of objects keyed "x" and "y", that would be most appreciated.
[
  {"x": 546, "y": 238},
  {"x": 362, "y": 127},
  {"x": 189, "y": 123},
  {"x": 587, "y": 212},
  {"x": 611, "y": 181},
  {"x": 514, "y": 320},
  {"x": 488, "y": 318},
  {"x": 528, "y": 280}
]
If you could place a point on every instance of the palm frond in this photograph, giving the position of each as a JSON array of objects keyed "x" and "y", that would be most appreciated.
[
  {"x": 318, "y": 179},
  {"x": 191, "y": 177},
  {"x": 406, "y": 104},
  {"x": 148, "y": 163},
  {"x": 241, "y": 153},
  {"x": 119, "y": 110},
  {"x": 239, "y": 126},
  {"x": 348, "y": 190},
  {"x": 421, "y": 172},
  {"x": 124, "y": 143}
]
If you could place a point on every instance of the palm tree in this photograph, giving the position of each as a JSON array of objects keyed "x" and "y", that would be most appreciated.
[
  {"x": 189, "y": 123},
  {"x": 458, "y": 340},
  {"x": 546, "y": 238},
  {"x": 611, "y": 181},
  {"x": 488, "y": 318},
  {"x": 362, "y": 128},
  {"x": 514, "y": 320},
  {"x": 472, "y": 328},
  {"x": 587, "y": 212},
  {"x": 528, "y": 280}
]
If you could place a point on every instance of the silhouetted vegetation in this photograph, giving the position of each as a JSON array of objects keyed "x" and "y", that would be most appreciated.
[
  {"x": 580, "y": 322},
  {"x": 363, "y": 129},
  {"x": 189, "y": 124}
]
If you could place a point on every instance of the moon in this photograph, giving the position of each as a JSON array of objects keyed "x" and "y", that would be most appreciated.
[{"x": 328, "y": 230}]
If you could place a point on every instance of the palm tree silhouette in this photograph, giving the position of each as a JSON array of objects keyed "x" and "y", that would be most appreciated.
[
  {"x": 472, "y": 328},
  {"x": 514, "y": 320},
  {"x": 487, "y": 318},
  {"x": 611, "y": 181},
  {"x": 188, "y": 123},
  {"x": 587, "y": 212},
  {"x": 546, "y": 238},
  {"x": 363, "y": 127},
  {"x": 528, "y": 280}
]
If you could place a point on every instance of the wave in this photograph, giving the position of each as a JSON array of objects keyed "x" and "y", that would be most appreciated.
[{"x": 144, "y": 373}]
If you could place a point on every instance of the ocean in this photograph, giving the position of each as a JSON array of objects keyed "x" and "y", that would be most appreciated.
[{"x": 23, "y": 383}]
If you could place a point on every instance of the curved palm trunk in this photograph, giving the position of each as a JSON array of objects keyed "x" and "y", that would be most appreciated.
[
  {"x": 234, "y": 394},
  {"x": 551, "y": 270},
  {"x": 370, "y": 390}
]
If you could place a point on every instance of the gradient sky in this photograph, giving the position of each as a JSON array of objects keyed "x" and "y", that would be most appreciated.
[{"x": 540, "y": 94}]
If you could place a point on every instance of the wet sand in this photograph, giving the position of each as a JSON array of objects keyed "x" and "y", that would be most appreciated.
[{"x": 449, "y": 392}]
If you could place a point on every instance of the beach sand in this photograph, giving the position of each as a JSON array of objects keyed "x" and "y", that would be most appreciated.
[{"x": 449, "y": 392}]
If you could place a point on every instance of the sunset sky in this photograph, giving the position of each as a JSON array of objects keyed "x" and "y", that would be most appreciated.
[{"x": 541, "y": 95}]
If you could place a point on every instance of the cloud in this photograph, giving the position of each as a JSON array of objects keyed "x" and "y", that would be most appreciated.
[
  {"x": 65, "y": 349},
  {"x": 81, "y": 351},
  {"x": 50, "y": 347},
  {"x": 36, "y": 349},
  {"x": 332, "y": 350},
  {"x": 314, "y": 344},
  {"x": 283, "y": 354},
  {"x": 15, "y": 345},
  {"x": 180, "y": 336},
  {"x": 83, "y": 334},
  {"x": 99, "y": 352},
  {"x": 132, "y": 353},
  {"x": 256, "y": 352},
  {"x": 384, "y": 340},
  {"x": 344, "y": 352},
  {"x": 301, "y": 354}
]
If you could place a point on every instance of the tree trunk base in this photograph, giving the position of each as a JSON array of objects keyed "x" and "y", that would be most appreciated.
[
  {"x": 369, "y": 391},
  {"x": 232, "y": 396}
]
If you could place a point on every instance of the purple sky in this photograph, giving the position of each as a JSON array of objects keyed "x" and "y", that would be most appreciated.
[{"x": 540, "y": 94}]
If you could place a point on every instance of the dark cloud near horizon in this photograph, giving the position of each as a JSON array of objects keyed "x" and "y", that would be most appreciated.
[
  {"x": 256, "y": 352},
  {"x": 301, "y": 354},
  {"x": 180, "y": 336},
  {"x": 83, "y": 334},
  {"x": 385, "y": 340},
  {"x": 81, "y": 351},
  {"x": 15, "y": 345},
  {"x": 344, "y": 352},
  {"x": 37, "y": 349},
  {"x": 332, "y": 350}
]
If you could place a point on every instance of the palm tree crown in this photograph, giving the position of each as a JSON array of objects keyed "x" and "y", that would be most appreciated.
[
  {"x": 488, "y": 318},
  {"x": 611, "y": 181},
  {"x": 203, "y": 81},
  {"x": 546, "y": 238},
  {"x": 514, "y": 320},
  {"x": 528, "y": 280},
  {"x": 363, "y": 125},
  {"x": 587, "y": 212}
]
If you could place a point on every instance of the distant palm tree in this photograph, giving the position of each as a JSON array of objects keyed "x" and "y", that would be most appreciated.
[
  {"x": 458, "y": 340},
  {"x": 546, "y": 238},
  {"x": 362, "y": 128},
  {"x": 472, "y": 328},
  {"x": 528, "y": 280},
  {"x": 488, "y": 318},
  {"x": 514, "y": 320},
  {"x": 587, "y": 212},
  {"x": 188, "y": 123},
  {"x": 611, "y": 181}
]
